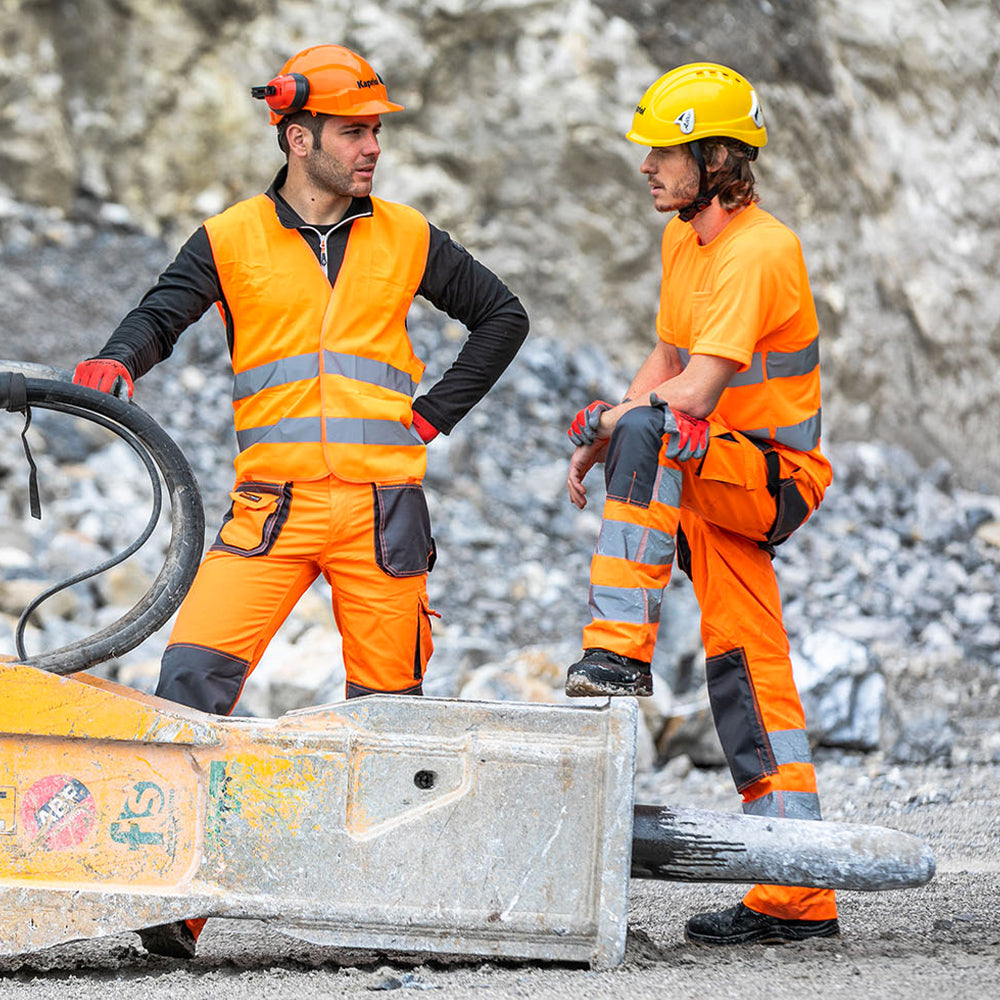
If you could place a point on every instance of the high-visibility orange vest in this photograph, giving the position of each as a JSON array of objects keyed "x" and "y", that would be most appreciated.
[{"x": 323, "y": 377}]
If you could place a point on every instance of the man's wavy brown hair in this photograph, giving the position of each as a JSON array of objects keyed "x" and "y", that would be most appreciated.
[{"x": 734, "y": 180}]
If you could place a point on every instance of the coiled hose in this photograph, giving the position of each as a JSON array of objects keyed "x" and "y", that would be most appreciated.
[{"x": 23, "y": 386}]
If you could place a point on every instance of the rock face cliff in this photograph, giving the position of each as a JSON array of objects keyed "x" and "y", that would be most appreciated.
[{"x": 884, "y": 145}]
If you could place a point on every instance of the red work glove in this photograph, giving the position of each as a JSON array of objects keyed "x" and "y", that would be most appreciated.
[
  {"x": 583, "y": 430},
  {"x": 688, "y": 435},
  {"x": 422, "y": 429},
  {"x": 104, "y": 375}
]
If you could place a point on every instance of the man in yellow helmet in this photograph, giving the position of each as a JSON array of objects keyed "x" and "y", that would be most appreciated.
[
  {"x": 713, "y": 458},
  {"x": 314, "y": 280}
]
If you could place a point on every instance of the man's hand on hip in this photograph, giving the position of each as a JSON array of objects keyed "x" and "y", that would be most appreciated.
[{"x": 422, "y": 428}]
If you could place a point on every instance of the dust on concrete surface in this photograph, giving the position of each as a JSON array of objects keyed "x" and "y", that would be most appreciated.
[{"x": 941, "y": 940}]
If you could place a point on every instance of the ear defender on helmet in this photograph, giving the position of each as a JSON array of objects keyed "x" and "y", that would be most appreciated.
[
  {"x": 326, "y": 80},
  {"x": 285, "y": 94}
]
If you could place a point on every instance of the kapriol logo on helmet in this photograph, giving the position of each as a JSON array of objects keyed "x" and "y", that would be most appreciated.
[
  {"x": 685, "y": 121},
  {"x": 57, "y": 812},
  {"x": 756, "y": 112}
]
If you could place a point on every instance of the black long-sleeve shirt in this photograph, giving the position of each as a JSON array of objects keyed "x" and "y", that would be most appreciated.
[{"x": 453, "y": 281}]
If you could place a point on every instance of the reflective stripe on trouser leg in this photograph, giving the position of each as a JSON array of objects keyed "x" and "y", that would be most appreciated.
[
  {"x": 754, "y": 700},
  {"x": 635, "y": 550}
]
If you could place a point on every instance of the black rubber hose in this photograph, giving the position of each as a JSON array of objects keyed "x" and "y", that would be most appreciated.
[
  {"x": 187, "y": 516},
  {"x": 154, "y": 516}
]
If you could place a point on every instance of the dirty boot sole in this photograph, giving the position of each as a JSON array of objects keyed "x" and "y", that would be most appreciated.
[
  {"x": 771, "y": 935},
  {"x": 581, "y": 686},
  {"x": 744, "y": 926}
]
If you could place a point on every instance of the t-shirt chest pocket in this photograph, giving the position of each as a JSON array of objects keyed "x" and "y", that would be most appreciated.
[{"x": 699, "y": 314}]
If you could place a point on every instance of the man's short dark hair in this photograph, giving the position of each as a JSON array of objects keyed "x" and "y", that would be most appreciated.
[{"x": 307, "y": 119}]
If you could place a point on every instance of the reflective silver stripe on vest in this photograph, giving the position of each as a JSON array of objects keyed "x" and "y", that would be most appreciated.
[
  {"x": 366, "y": 370},
  {"x": 801, "y": 437},
  {"x": 339, "y": 430},
  {"x": 791, "y": 805},
  {"x": 354, "y": 430},
  {"x": 291, "y": 430},
  {"x": 790, "y": 746},
  {"x": 638, "y": 544},
  {"x": 293, "y": 369},
  {"x": 635, "y": 605},
  {"x": 303, "y": 366}
]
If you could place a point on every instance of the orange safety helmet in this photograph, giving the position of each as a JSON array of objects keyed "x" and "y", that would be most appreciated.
[
  {"x": 327, "y": 80},
  {"x": 698, "y": 101}
]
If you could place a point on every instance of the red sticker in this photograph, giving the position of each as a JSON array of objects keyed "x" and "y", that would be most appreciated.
[{"x": 57, "y": 812}]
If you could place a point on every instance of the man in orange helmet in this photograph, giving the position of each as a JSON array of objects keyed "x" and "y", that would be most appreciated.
[
  {"x": 713, "y": 458},
  {"x": 314, "y": 280}
]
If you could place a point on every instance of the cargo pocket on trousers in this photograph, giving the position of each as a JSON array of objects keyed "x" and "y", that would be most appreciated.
[
  {"x": 790, "y": 511},
  {"x": 403, "y": 543},
  {"x": 255, "y": 518},
  {"x": 790, "y": 507},
  {"x": 731, "y": 459}
]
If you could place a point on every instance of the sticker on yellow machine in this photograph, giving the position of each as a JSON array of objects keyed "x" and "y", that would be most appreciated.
[{"x": 96, "y": 811}]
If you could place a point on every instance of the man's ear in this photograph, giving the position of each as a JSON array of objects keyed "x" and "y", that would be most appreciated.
[
  {"x": 717, "y": 154},
  {"x": 300, "y": 140}
]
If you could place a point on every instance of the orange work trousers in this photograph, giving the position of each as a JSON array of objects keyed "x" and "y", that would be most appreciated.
[
  {"x": 719, "y": 518},
  {"x": 372, "y": 544}
]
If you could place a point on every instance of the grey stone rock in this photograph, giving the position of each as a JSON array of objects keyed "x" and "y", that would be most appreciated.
[{"x": 842, "y": 690}]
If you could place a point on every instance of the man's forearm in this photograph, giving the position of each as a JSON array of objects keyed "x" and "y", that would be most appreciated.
[{"x": 694, "y": 390}]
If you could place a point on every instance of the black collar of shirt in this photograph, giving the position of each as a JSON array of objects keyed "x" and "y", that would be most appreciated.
[{"x": 290, "y": 219}]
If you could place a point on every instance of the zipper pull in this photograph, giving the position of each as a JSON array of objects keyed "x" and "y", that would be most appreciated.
[{"x": 322, "y": 249}]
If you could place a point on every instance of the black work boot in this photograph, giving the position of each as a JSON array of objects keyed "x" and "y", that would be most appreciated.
[
  {"x": 741, "y": 925},
  {"x": 174, "y": 940},
  {"x": 602, "y": 672}
]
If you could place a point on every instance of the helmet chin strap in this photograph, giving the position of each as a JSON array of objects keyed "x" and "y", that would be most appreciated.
[{"x": 705, "y": 194}]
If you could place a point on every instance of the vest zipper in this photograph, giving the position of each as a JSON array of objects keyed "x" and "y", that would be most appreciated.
[{"x": 323, "y": 237}]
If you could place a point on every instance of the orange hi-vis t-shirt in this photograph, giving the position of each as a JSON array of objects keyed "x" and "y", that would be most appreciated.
[{"x": 745, "y": 296}]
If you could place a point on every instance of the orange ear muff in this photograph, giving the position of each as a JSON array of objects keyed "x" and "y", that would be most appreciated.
[{"x": 285, "y": 94}]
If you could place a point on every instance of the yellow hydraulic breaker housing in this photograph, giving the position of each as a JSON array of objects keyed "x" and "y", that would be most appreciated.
[{"x": 384, "y": 822}]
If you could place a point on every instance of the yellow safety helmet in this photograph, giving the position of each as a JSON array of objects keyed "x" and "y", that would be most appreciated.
[
  {"x": 328, "y": 80},
  {"x": 698, "y": 101}
]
